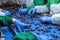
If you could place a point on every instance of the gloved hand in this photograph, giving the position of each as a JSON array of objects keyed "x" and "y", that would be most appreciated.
[
  {"x": 7, "y": 13},
  {"x": 46, "y": 19},
  {"x": 22, "y": 10},
  {"x": 32, "y": 11},
  {"x": 20, "y": 25}
]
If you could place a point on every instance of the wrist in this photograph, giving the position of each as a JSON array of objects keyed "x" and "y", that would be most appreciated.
[{"x": 13, "y": 20}]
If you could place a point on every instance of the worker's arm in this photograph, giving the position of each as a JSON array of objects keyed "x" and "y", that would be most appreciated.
[
  {"x": 6, "y": 21},
  {"x": 25, "y": 36},
  {"x": 31, "y": 36},
  {"x": 9, "y": 20}
]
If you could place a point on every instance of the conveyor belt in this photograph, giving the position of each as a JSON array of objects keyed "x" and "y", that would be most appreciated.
[{"x": 45, "y": 29}]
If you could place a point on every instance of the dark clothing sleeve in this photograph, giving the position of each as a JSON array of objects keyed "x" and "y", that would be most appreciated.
[{"x": 5, "y": 20}]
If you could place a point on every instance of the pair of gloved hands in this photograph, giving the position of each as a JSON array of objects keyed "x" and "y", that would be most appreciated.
[
  {"x": 32, "y": 11},
  {"x": 25, "y": 11}
]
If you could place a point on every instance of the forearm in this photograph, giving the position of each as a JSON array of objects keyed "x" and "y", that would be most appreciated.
[
  {"x": 31, "y": 36},
  {"x": 5, "y": 20}
]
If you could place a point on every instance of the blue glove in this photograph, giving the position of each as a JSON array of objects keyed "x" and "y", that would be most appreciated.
[
  {"x": 32, "y": 11},
  {"x": 20, "y": 25},
  {"x": 7, "y": 13},
  {"x": 22, "y": 11},
  {"x": 42, "y": 37},
  {"x": 46, "y": 19}
]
